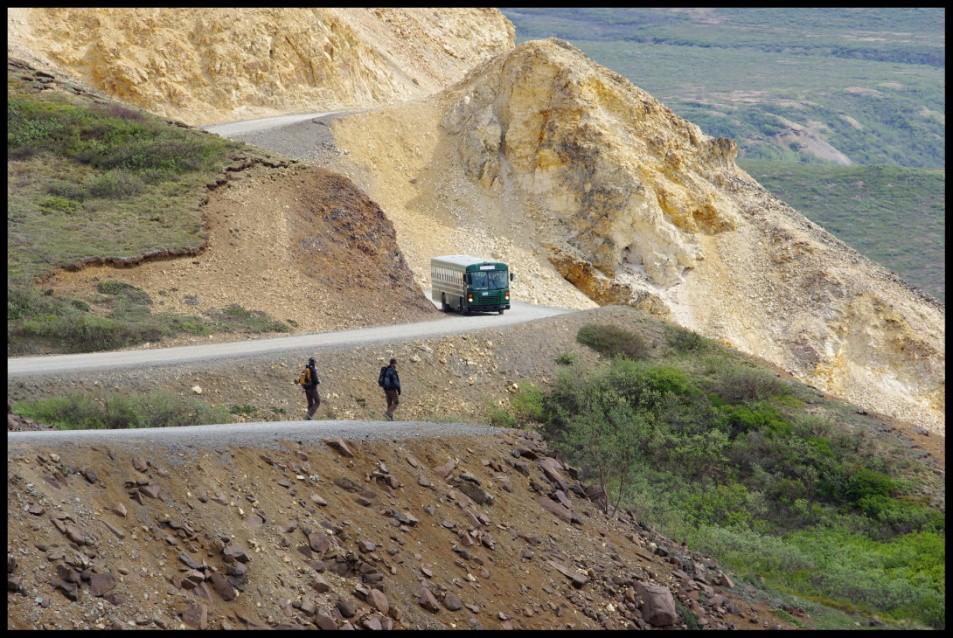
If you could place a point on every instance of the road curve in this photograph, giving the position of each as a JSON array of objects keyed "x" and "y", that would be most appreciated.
[
  {"x": 242, "y": 127},
  {"x": 259, "y": 434},
  {"x": 445, "y": 325}
]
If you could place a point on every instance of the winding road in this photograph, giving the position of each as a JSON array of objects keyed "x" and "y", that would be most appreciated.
[{"x": 445, "y": 325}]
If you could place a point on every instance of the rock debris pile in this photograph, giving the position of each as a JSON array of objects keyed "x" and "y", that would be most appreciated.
[{"x": 482, "y": 532}]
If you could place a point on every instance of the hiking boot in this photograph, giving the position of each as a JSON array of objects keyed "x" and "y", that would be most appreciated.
[{"x": 388, "y": 417}]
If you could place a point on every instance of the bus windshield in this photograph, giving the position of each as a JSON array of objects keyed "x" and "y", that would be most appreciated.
[{"x": 488, "y": 280}]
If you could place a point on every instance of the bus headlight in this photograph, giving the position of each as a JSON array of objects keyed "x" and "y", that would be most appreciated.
[{"x": 507, "y": 295}]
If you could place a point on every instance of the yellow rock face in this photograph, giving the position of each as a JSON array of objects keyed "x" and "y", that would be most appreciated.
[
  {"x": 632, "y": 204},
  {"x": 212, "y": 65}
]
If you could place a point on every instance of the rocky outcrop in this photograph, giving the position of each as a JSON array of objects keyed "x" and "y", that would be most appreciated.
[
  {"x": 631, "y": 204},
  {"x": 212, "y": 65}
]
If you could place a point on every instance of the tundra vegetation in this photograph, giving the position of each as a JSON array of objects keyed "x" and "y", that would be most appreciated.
[
  {"x": 90, "y": 178},
  {"x": 866, "y": 205},
  {"x": 105, "y": 410},
  {"x": 790, "y": 490}
]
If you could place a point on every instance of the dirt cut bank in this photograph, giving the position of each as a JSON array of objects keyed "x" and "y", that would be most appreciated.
[
  {"x": 301, "y": 244},
  {"x": 482, "y": 531}
]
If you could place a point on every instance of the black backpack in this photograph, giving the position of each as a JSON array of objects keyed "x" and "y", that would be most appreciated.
[{"x": 383, "y": 375}]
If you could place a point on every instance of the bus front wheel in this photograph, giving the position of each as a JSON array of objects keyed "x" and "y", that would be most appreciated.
[{"x": 500, "y": 311}]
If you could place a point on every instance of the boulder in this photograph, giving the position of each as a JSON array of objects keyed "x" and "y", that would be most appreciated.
[{"x": 658, "y": 606}]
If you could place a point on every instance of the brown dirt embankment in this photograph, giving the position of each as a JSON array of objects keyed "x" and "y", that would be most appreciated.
[
  {"x": 299, "y": 536},
  {"x": 301, "y": 244}
]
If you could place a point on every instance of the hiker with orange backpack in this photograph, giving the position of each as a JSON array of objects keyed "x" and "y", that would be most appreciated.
[{"x": 309, "y": 381}]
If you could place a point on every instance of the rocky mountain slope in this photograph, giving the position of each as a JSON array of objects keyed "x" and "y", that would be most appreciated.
[
  {"x": 212, "y": 65},
  {"x": 605, "y": 186},
  {"x": 474, "y": 532}
]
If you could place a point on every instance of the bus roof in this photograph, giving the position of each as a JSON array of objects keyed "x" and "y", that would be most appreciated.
[{"x": 465, "y": 260}]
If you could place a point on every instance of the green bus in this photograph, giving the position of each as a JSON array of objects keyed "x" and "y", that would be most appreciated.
[{"x": 470, "y": 284}]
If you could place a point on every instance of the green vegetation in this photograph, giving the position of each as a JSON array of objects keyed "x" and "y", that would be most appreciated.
[
  {"x": 122, "y": 316},
  {"x": 90, "y": 178},
  {"x": 724, "y": 455},
  {"x": 842, "y": 73},
  {"x": 567, "y": 359},
  {"x": 612, "y": 340},
  {"x": 892, "y": 215},
  {"x": 113, "y": 411}
]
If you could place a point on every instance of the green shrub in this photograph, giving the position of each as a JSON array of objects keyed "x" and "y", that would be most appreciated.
[
  {"x": 611, "y": 340},
  {"x": 741, "y": 383},
  {"x": 758, "y": 417},
  {"x": 112, "y": 410},
  {"x": 724, "y": 505},
  {"x": 67, "y": 189},
  {"x": 115, "y": 184},
  {"x": 528, "y": 403},
  {"x": 755, "y": 466},
  {"x": 684, "y": 340},
  {"x": 57, "y": 204},
  {"x": 866, "y": 482},
  {"x": 567, "y": 359},
  {"x": 500, "y": 417}
]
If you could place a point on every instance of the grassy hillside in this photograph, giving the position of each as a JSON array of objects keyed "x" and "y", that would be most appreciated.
[
  {"x": 89, "y": 178},
  {"x": 869, "y": 82},
  {"x": 801, "y": 495},
  {"x": 892, "y": 215}
]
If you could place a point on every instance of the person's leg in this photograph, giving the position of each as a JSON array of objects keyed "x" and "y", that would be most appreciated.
[
  {"x": 314, "y": 400},
  {"x": 392, "y": 403},
  {"x": 312, "y": 404}
]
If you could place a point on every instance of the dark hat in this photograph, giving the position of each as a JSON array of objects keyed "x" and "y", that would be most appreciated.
[{"x": 311, "y": 360}]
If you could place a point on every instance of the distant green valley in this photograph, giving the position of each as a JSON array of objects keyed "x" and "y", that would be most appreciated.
[{"x": 891, "y": 214}]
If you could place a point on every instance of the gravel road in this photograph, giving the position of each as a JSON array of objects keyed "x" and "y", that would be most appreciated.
[
  {"x": 228, "y": 129},
  {"x": 304, "y": 136},
  {"x": 446, "y": 325},
  {"x": 258, "y": 434}
]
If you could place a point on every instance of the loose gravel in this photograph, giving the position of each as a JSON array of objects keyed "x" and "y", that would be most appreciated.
[{"x": 272, "y": 435}]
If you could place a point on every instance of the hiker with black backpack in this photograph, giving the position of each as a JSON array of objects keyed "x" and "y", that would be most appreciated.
[
  {"x": 309, "y": 381},
  {"x": 389, "y": 380}
]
